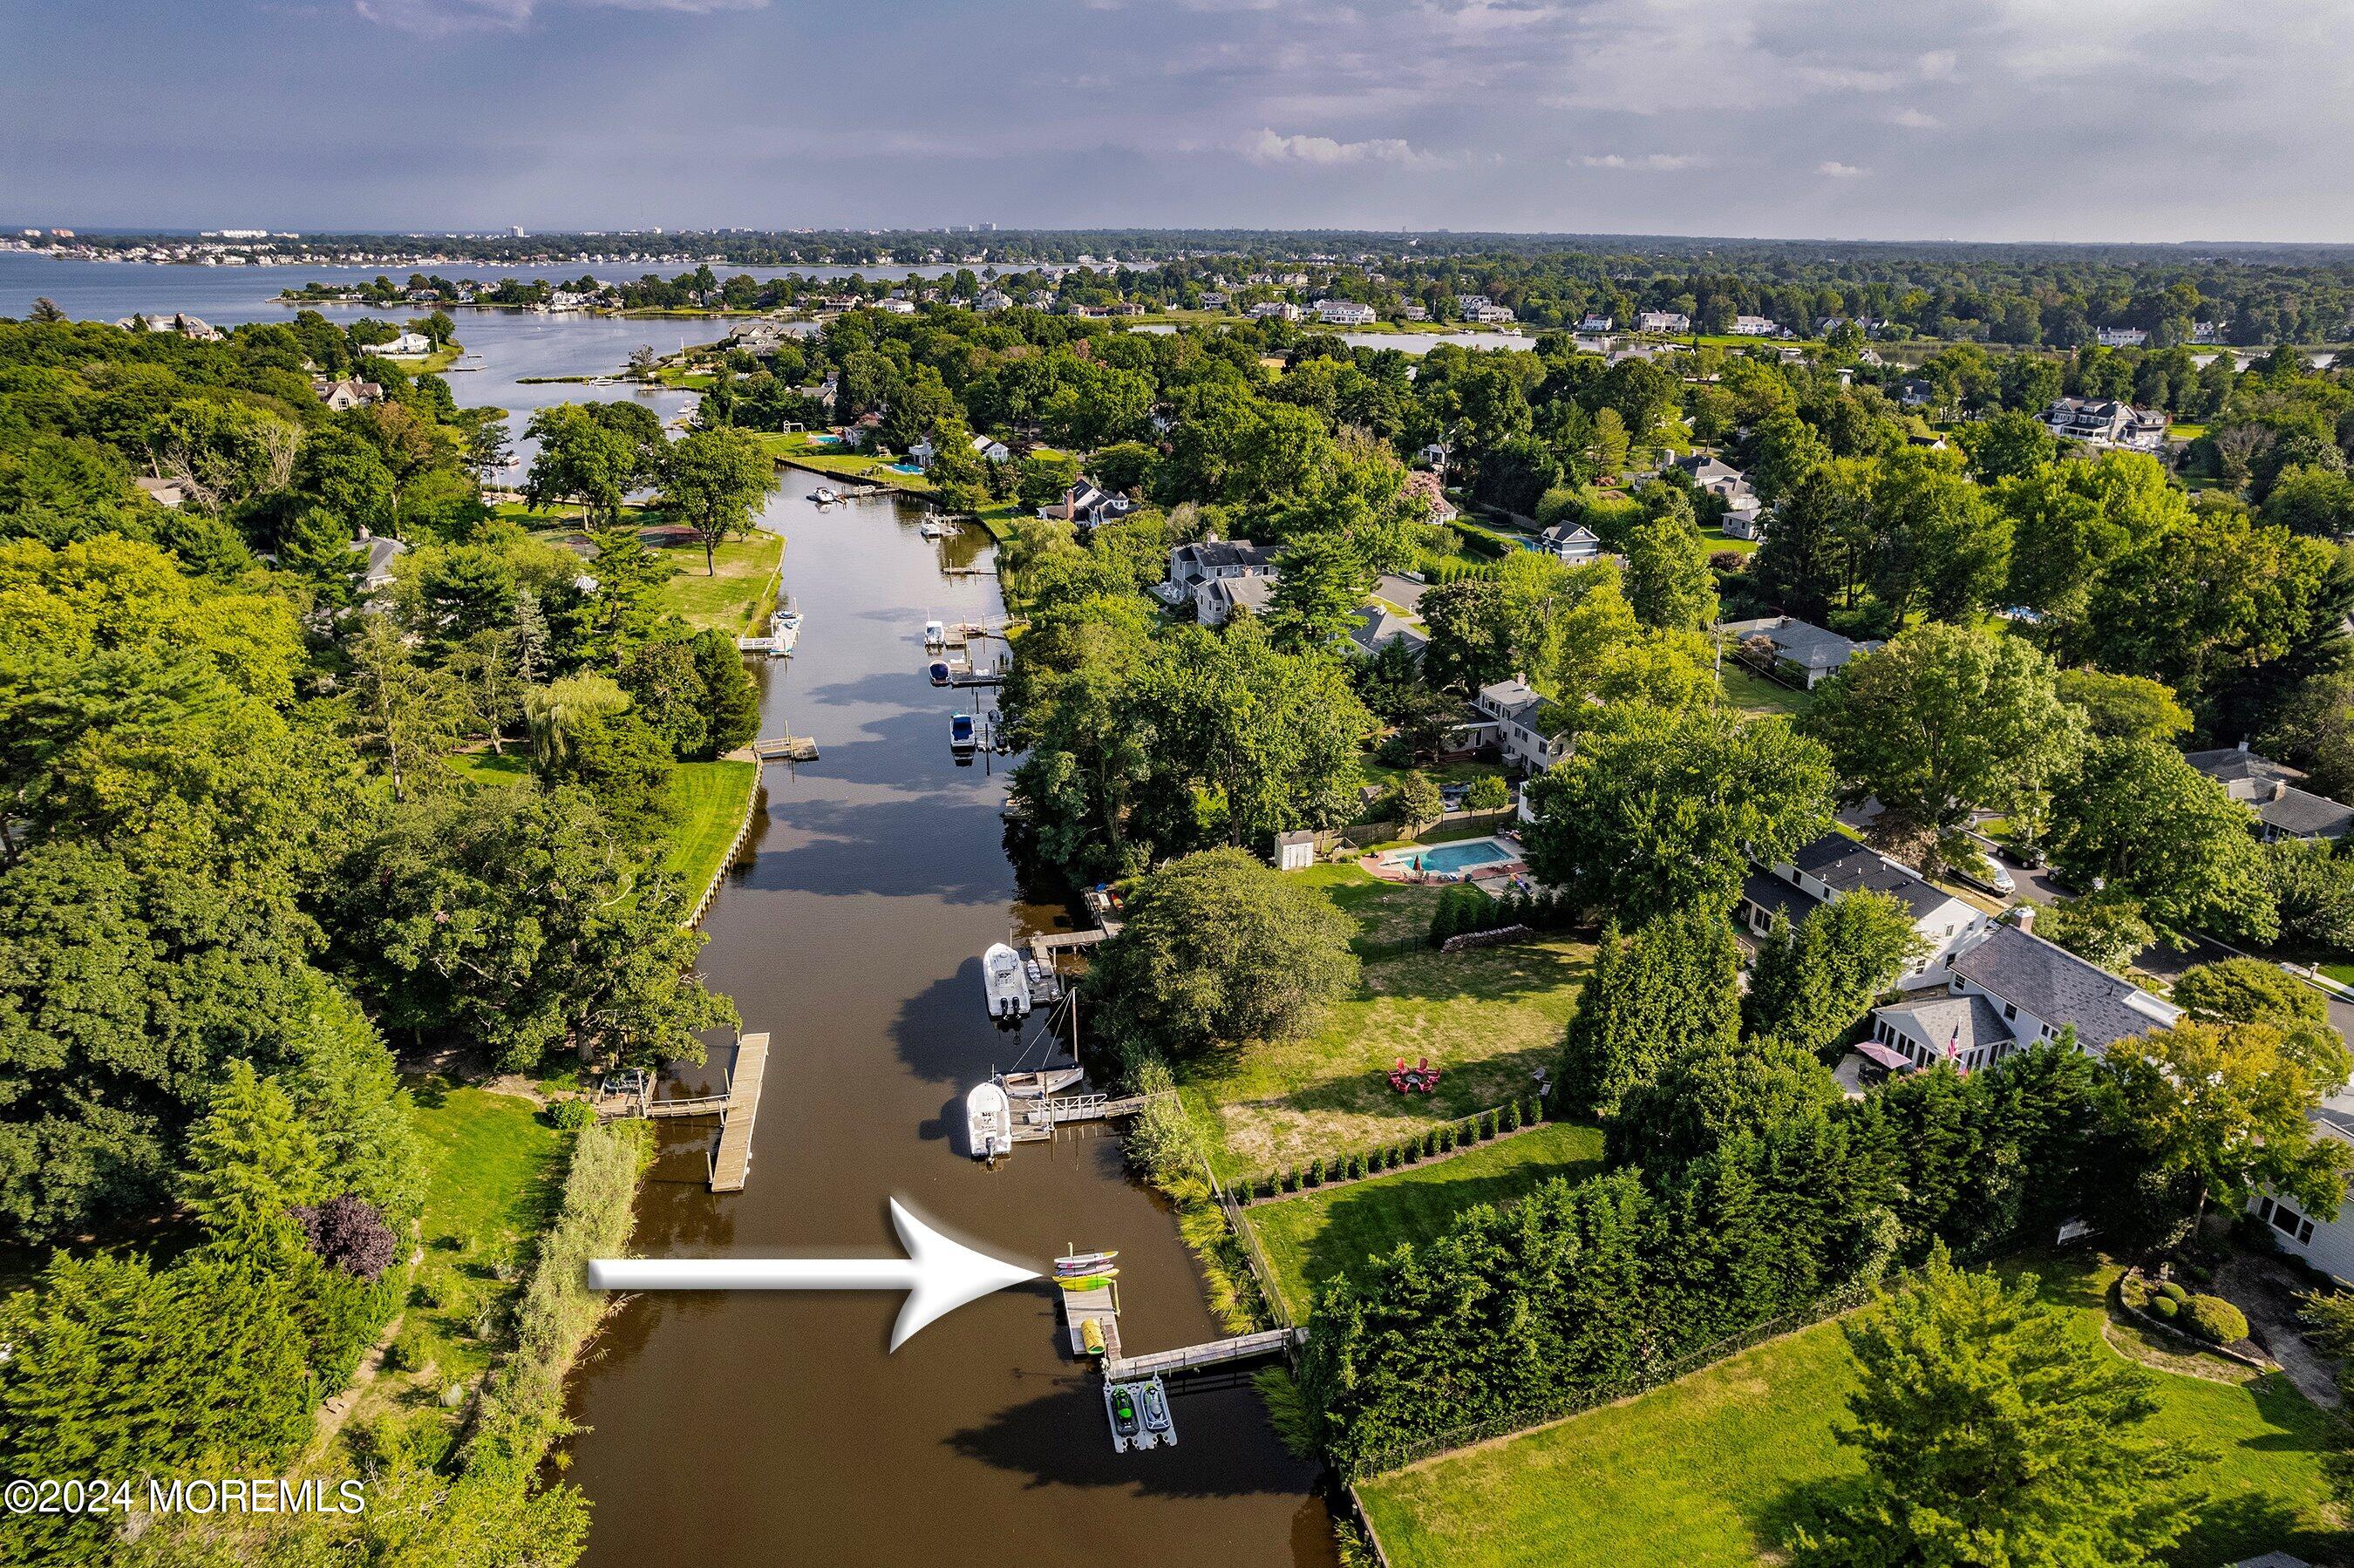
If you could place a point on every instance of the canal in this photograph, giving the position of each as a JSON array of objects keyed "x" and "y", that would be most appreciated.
[{"x": 774, "y": 1427}]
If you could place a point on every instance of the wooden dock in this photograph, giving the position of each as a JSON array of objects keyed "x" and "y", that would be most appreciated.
[
  {"x": 731, "y": 1163},
  {"x": 785, "y": 749},
  {"x": 1062, "y": 941},
  {"x": 1034, "y": 1121},
  {"x": 1117, "y": 1368},
  {"x": 1100, "y": 1305}
]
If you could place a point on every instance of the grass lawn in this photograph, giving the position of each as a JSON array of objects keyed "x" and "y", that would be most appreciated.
[
  {"x": 1712, "y": 1469},
  {"x": 507, "y": 772},
  {"x": 710, "y": 798},
  {"x": 492, "y": 1170},
  {"x": 738, "y": 598},
  {"x": 1718, "y": 539},
  {"x": 1754, "y": 693},
  {"x": 1313, "y": 1237},
  {"x": 1487, "y": 1015},
  {"x": 1459, "y": 772},
  {"x": 433, "y": 364},
  {"x": 795, "y": 445}
]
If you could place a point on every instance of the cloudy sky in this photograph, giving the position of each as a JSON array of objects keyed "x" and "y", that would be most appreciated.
[{"x": 1893, "y": 119}]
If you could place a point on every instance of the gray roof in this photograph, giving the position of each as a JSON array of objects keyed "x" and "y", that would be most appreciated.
[
  {"x": 1403, "y": 592},
  {"x": 1211, "y": 555},
  {"x": 1803, "y": 644},
  {"x": 2269, "y": 787},
  {"x": 1377, "y": 625},
  {"x": 1775, "y": 896},
  {"x": 1968, "y": 1020},
  {"x": 2236, "y": 764},
  {"x": 1252, "y": 593},
  {"x": 2060, "y": 988},
  {"x": 1846, "y": 866}
]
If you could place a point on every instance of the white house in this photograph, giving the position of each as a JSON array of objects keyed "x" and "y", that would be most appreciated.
[
  {"x": 896, "y": 307},
  {"x": 2010, "y": 989},
  {"x": 1214, "y": 299},
  {"x": 1522, "y": 721},
  {"x": 1216, "y": 601},
  {"x": 1190, "y": 566},
  {"x": 1591, "y": 323},
  {"x": 1344, "y": 312},
  {"x": 1836, "y": 865},
  {"x": 2106, "y": 423},
  {"x": 1675, "y": 322},
  {"x": 1466, "y": 304},
  {"x": 408, "y": 345},
  {"x": 922, "y": 451},
  {"x": 2327, "y": 1245},
  {"x": 1492, "y": 315},
  {"x": 990, "y": 450},
  {"x": 1086, "y": 503},
  {"x": 1570, "y": 544},
  {"x": 993, "y": 299},
  {"x": 2120, "y": 337},
  {"x": 1279, "y": 310},
  {"x": 348, "y": 393},
  {"x": 1755, "y": 327}
]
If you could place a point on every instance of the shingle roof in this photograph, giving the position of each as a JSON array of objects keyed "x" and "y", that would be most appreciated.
[
  {"x": 1809, "y": 646},
  {"x": 2234, "y": 763},
  {"x": 1775, "y": 896},
  {"x": 2268, "y": 787},
  {"x": 1967, "y": 1021},
  {"x": 2060, "y": 988},
  {"x": 1211, "y": 555},
  {"x": 1378, "y": 624},
  {"x": 2302, "y": 814},
  {"x": 1845, "y": 866}
]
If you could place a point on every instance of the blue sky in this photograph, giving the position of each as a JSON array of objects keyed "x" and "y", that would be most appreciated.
[{"x": 1982, "y": 119}]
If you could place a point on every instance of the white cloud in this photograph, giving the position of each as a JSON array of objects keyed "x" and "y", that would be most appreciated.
[
  {"x": 1835, "y": 170},
  {"x": 1914, "y": 120},
  {"x": 1267, "y": 147},
  {"x": 435, "y": 17},
  {"x": 1642, "y": 160}
]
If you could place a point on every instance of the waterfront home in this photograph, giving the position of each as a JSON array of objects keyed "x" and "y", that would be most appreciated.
[
  {"x": 1278, "y": 310},
  {"x": 990, "y": 450},
  {"x": 2010, "y": 988},
  {"x": 1591, "y": 323},
  {"x": 1755, "y": 327},
  {"x": 2120, "y": 337},
  {"x": 2270, "y": 788},
  {"x": 1674, "y": 322},
  {"x": 896, "y": 307},
  {"x": 922, "y": 451},
  {"x": 1466, "y": 304},
  {"x": 1493, "y": 315},
  {"x": 1190, "y": 566},
  {"x": 1088, "y": 505},
  {"x": 408, "y": 345},
  {"x": 349, "y": 392},
  {"x": 1835, "y": 866},
  {"x": 1525, "y": 726},
  {"x": 1417, "y": 312},
  {"x": 1218, "y": 600},
  {"x": 2106, "y": 423},
  {"x": 1569, "y": 543},
  {"x": 1798, "y": 650},
  {"x": 1344, "y": 312}
]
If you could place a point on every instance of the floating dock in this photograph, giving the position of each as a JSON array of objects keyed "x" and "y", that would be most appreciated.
[
  {"x": 1218, "y": 1353},
  {"x": 1148, "y": 1403},
  {"x": 737, "y": 1108},
  {"x": 1100, "y": 1306},
  {"x": 1034, "y": 1121}
]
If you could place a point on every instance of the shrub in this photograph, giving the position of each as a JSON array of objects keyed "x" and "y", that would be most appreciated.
[
  {"x": 2164, "y": 1306},
  {"x": 1316, "y": 1173},
  {"x": 1447, "y": 1139},
  {"x": 1355, "y": 1167},
  {"x": 571, "y": 1116},
  {"x": 2214, "y": 1319},
  {"x": 1292, "y": 1180},
  {"x": 1487, "y": 1126},
  {"x": 2173, "y": 1292},
  {"x": 1413, "y": 1151},
  {"x": 1536, "y": 1109},
  {"x": 1512, "y": 1117}
]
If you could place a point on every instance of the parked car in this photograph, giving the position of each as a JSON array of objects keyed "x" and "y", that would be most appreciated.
[{"x": 1988, "y": 875}]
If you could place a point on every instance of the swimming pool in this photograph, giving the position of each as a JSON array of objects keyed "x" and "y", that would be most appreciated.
[{"x": 1454, "y": 858}]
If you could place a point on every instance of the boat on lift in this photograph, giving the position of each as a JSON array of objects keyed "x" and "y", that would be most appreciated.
[
  {"x": 1042, "y": 1084},
  {"x": 1004, "y": 986},
  {"x": 784, "y": 633},
  {"x": 936, "y": 634},
  {"x": 964, "y": 743},
  {"x": 823, "y": 495},
  {"x": 989, "y": 1122},
  {"x": 934, "y": 528}
]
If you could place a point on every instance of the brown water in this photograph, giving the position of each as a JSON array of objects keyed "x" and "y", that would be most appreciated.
[{"x": 773, "y": 1427}]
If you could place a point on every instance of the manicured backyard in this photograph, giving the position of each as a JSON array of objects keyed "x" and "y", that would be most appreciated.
[
  {"x": 1318, "y": 1234},
  {"x": 738, "y": 596},
  {"x": 1713, "y": 1469},
  {"x": 1752, "y": 693},
  {"x": 1487, "y": 1017},
  {"x": 710, "y": 798}
]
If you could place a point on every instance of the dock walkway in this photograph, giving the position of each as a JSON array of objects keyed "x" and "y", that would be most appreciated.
[
  {"x": 1117, "y": 1368},
  {"x": 731, "y": 1163},
  {"x": 785, "y": 749}
]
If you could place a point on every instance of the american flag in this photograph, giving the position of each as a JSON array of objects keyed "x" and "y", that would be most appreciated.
[{"x": 1954, "y": 1051}]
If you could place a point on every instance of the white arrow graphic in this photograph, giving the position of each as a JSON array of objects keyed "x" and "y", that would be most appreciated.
[{"x": 938, "y": 1275}]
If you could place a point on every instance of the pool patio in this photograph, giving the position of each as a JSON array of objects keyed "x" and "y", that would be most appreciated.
[{"x": 1493, "y": 858}]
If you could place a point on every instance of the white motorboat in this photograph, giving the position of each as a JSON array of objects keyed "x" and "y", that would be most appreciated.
[
  {"x": 989, "y": 1122},
  {"x": 823, "y": 495},
  {"x": 1042, "y": 1084},
  {"x": 1005, "y": 987},
  {"x": 936, "y": 634},
  {"x": 934, "y": 528},
  {"x": 784, "y": 633}
]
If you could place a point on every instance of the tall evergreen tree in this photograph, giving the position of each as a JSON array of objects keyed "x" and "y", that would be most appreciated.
[{"x": 1668, "y": 989}]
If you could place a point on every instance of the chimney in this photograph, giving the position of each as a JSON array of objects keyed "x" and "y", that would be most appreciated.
[
  {"x": 1522, "y": 676},
  {"x": 2025, "y": 918},
  {"x": 2244, "y": 743},
  {"x": 2280, "y": 789}
]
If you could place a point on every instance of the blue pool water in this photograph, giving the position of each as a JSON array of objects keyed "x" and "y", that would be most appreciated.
[
  {"x": 905, "y": 468},
  {"x": 1457, "y": 857}
]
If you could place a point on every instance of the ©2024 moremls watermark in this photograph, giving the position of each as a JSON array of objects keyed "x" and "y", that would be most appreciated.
[{"x": 202, "y": 1495}]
